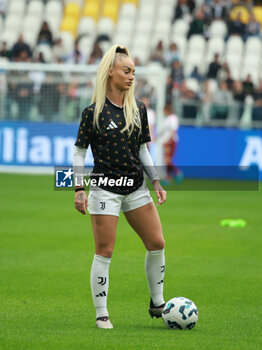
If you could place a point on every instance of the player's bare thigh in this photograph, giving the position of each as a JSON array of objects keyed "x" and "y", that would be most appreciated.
[
  {"x": 146, "y": 223},
  {"x": 104, "y": 230}
]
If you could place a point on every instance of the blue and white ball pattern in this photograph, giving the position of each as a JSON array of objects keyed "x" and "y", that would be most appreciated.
[{"x": 180, "y": 313}]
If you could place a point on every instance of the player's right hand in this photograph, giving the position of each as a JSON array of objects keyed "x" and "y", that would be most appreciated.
[{"x": 81, "y": 202}]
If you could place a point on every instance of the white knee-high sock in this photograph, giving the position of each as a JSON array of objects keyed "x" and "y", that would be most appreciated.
[
  {"x": 155, "y": 270},
  {"x": 99, "y": 280}
]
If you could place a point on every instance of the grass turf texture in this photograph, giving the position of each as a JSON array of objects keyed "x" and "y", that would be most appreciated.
[{"x": 46, "y": 253}]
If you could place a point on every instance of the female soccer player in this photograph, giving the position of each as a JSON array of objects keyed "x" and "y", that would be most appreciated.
[{"x": 115, "y": 125}]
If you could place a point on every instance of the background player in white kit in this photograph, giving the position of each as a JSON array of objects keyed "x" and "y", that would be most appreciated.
[
  {"x": 168, "y": 137},
  {"x": 115, "y": 126}
]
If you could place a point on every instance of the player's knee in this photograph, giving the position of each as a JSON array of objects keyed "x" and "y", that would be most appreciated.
[
  {"x": 156, "y": 244},
  {"x": 104, "y": 250}
]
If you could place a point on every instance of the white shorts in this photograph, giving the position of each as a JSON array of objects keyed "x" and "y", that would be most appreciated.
[{"x": 102, "y": 202}]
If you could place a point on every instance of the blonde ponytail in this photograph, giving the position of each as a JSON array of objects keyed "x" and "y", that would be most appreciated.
[{"x": 130, "y": 108}]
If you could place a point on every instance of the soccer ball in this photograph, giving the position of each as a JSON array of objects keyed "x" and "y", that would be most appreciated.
[{"x": 180, "y": 313}]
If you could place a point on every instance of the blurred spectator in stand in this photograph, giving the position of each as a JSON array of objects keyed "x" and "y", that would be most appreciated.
[
  {"x": 169, "y": 89},
  {"x": 4, "y": 52},
  {"x": 196, "y": 75},
  {"x": 223, "y": 99},
  {"x": 58, "y": 50},
  {"x": 257, "y": 109},
  {"x": 3, "y": 7},
  {"x": 177, "y": 74},
  {"x": 52, "y": 90},
  {"x": 96, "y": 54},
  {"x": 252, "y": 27},
  {"x": 19, "y": 47},
  {"x": 184, "y": 10},
  {"x": 190, "y": 100},
  {"x": 197, "y": 26},
  {"x": 218, "y": 9},
  {"x": 24, "y": 92},
  {"x": 45, "y": 35},
  {"x": 39, "y": 58},
  {"x": 151, "y": 116},
  {"x": 158, "y": 53},
  {"x": 171, "y": 54},
  {"x": 206, "y": 97},
  {"x": 136, "y": 61},
  {"x": 228, "y": 79},
  {"x": 214, "y": 67},
  {"x": 239, "y": 98},
  {"x": 76, "y": 57},
  {"x": 237, "y": 27},
  {"x": 248, "y": 86}
]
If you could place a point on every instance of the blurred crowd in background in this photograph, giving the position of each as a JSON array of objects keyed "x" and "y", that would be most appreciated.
[{"x": 217, "y": 96}]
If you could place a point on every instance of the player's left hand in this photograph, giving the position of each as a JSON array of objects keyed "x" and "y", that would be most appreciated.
[{"x": 160, "y": 192}]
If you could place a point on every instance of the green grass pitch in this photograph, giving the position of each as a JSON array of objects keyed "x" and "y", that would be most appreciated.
[{"x": 46, "y": 251}]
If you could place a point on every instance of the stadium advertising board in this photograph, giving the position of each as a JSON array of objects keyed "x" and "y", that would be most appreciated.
[{"x": 24, "y": 144}]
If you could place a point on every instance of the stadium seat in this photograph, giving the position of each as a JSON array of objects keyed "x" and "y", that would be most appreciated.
[
  {"x": 127, "y": 10},
  {"x": 16, "y": 7},
  {"x": 69, "y": 24},
  {"x": 122, "y": 39},
  {"x": 192, "y": 84},
  {"x": 199, "y": 2},
  {"x": 30, "y": 37},
  {"x": 86, "y": 25},
  {"x": 146, "y": 11},
  {"x": 72, "y": 9},
  {"x": 257, "y": 10},
  {"x": 105, "y": 45},
  {"x": 13, "y": 22},
  {"x": 46, "y": 51},
  {"x": 125, "y": 26},
  {"x": 159, "y": 37},
  {"x": 86, "y": 45},
  {"x": 161, "y": 31},
  {"x": 110, "y": 10},
  {"x": 91, "y": 10},
  {"x": 196, "y": 44},
  {"x": 144, "y": 26},
  {"x": 35, "y": 7},
  {"x": 180, "y": 28},
  {"x": 67, "y": 42},
  {"x": 253, "y": 45},
  {"x": 30, "y": 22},
  {"x": 135, "y": 2},
  {"x": 54, "y": 8},
  {"x": 234, "y": 64},
  {"x": 164, "y": 13},
  {"x": 244, "y": 12},
  {"x": 10, "y": 37},
  {"x": 181, "y": 43},
  {"x": 215, "y": 45},
  {"x": 142, "y": 55},
  {"x": 141, "y": 41},
  {"x": 170, "y": 3},
  {"x": 218, "y": 29},
  {"x": 234, "y": 45},
  {"x": 212, "y": 86},
  {"x": 79, "y": 2},
  {"x": 251, "y": 60},
  {"x": 106, "y": 26},
  {"x": 194, "y": 60}
]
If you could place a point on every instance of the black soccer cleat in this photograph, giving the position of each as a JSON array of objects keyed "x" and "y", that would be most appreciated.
[{"x": 155, "y": 311}]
